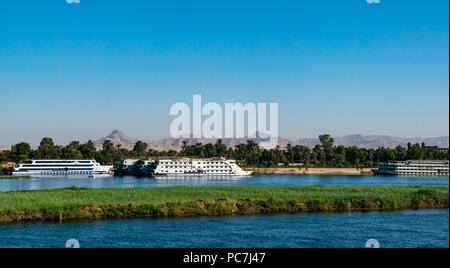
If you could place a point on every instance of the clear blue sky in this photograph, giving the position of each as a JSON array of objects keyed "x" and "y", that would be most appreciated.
[{"x": 74, "y": 72}]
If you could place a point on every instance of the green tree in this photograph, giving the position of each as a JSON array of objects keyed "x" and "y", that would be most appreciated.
[
  {"x": 21, "y": 151},
  {"x": 231, "y": 153},
  {"x": 400, "y": 153},
  {"x": 140, "y": 149},
  {"x": 47, "y": 149},
  {"x": 210, "y": 150},
  {"x": 414, "y": 152},
  {"x": 388, "y": 155},
  {"x": 109, "y": 153},
  {"x": 327, "y": 144},
  {"x": 184, "y": 147},
  {"x": 353, "y": 155},
  {"x": 339, "y": 156},
  {"x": 2, "y": 157},
  {"x": 88, "y": 150},
  {"x": 290, "y": 154},
  {"x": 221, "y": 149},
  {"x": 72, "y": 151}
]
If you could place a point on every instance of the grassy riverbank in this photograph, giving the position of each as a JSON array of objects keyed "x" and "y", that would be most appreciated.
[
  {"x": 14, "y": 177},
  {"x": 75, "y": 203}
]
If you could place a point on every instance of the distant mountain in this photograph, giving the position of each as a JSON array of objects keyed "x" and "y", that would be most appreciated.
[
  {"x": 373, "y": 141},
  {"x": 118, "y": 138},
  {"x": 376, "y": 141}
]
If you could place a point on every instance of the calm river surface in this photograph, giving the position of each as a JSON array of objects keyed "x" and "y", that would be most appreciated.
[
  {"x": 410, "y": 228},
  {"x": 260, "y": 180}
]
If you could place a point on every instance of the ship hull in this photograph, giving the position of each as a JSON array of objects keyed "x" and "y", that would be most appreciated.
[
  {"x": 59, "y": 173},
  {"x": 200, "y": 175}
]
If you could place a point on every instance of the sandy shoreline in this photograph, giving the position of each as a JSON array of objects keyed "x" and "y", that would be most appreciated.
[
  {"x": 7, "y": 164},
  {"x": 314, "y": 171}
]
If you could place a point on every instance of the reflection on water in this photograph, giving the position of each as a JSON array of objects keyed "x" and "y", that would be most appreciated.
[{"x": 259, "y": 180}]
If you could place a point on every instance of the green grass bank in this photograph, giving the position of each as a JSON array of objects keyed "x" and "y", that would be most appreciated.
[
  {"x": 13, "y": 177},
  {"x": 181, "y": 201}
]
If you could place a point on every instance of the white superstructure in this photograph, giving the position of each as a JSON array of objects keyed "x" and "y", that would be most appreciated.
[
  {"x": 60, "y": 167},
  {"x": 415, "y": 168},
  {"x": 208, "y": 167}
]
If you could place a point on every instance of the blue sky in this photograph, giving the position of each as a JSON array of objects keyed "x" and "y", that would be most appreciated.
[{"x": 78, "y": 71}]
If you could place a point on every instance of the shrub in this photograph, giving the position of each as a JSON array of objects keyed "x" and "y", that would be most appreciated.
[{"x": 5, "y": 171}]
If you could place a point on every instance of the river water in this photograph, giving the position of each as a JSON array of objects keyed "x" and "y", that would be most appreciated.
[
  {"x": 410, "y": 228},
  {"x": 420, "y": 228},
  {"x": 260, "y": 180}
]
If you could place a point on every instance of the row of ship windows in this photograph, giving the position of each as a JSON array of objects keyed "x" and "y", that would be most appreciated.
[
  {"x": 194, "y": 167},
  {"x": 405, "y": 168},
  {"x": 190, "y": 163},
  {"x": 201, "y": 170},
  {"x": 53, "y": 169},
  {"x": 67, "y": 172},
  {"x": 207, "y": 171},
  {"x": 72, "y": 166},
  {"x": 416, "y": 166},
  {"x": 57, "y": 172},
  {"x": 62, "y": 162},
  {"x": 424, "y": 172}
]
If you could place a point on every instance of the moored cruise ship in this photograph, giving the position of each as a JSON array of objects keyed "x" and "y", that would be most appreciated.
[
  {"x": 60, "y": 167},
  {"x": 205, "y": 167},
  {"x": 414, "y": 168}
]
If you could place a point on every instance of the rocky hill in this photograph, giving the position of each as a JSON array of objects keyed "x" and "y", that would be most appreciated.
[
  {"x": 376, "y": 141},
  {"x": 359, "y": 140}
]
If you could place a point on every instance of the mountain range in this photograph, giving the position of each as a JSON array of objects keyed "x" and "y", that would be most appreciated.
[{"x": 359, "y": 140}]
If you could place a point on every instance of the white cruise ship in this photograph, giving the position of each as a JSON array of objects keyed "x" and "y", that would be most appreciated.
[
  {"x": 196, "y": 167},
  {"x": 414, "y": 168},
  {"x": 60, "y": 167}
]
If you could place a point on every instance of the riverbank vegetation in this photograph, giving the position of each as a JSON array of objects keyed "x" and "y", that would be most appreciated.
[
  {"x": 14, "y": 177},
  {"x": 4, "y": 171},
  {"x": 77, "y": 203},
  {"x": 325, "y": 154}
]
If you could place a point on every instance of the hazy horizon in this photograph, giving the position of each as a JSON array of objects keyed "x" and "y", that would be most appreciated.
[
  {"x": 35, "y": 145},
  {"x": 79, "y": 71}
]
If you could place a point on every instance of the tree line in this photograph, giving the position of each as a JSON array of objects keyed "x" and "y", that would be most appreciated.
[{"x": 325, "y": 154}]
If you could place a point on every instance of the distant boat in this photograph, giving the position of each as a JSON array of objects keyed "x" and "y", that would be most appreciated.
[
  {"x": 61, "y": 168},
  {"x": 414, "y": 168}
]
